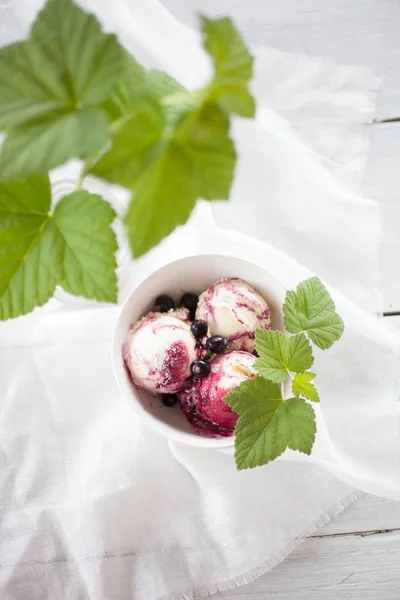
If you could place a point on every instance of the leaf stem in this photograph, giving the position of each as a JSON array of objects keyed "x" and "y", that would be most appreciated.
[
  {"x": 81, "y": 177},
  {"x": 177, "y": 98},
  {"x": 87, "y": 166},
  {"x": 119, "y": 123}
]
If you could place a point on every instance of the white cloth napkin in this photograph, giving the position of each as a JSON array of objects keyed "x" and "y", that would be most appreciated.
[{"x": 93, "y": 505}]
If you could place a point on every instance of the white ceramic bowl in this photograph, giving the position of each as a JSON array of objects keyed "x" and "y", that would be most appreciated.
[{"x": 192, "y": 274}]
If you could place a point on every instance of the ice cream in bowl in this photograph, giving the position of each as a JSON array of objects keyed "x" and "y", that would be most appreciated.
[{"x": 185, "y": 338}]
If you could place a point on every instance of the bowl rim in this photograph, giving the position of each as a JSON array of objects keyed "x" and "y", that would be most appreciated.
[{"x": 187, "y": 438}]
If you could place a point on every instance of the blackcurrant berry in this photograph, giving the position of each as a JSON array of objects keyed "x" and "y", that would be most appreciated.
[
  {"x": 200, "y": 368},
  {"x": 217, "y": 344},
  {"x": 164, "y": 303},
  {"x": 198, "y": 328},
  {"x": 169, "y": 399},
  {"x": 189, "y": 301}
]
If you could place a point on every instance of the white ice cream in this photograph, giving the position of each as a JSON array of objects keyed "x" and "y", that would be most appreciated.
[
  {"x": 233, "y": 309},
  {"x": 159, "y": 352}
]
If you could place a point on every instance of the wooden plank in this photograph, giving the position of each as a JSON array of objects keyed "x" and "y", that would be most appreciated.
[
  {"x": 333, "y": 568},
  {"x": 368, "y": 513},
  {"x": 358, "y": 32},
  {"x": 382, "y": 183}
]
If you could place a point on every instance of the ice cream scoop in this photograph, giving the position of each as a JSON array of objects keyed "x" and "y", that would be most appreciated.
[
  {"x": 160, "y": 350},
  {"x": 234, "y": 310},
  {"x": 202, "y": 400}
]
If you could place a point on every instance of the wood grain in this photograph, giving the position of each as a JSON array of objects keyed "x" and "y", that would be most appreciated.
[
  {"x": 382, "y": 183},
  {"x": 335, "y": 568},
  {"x": 367, "y": 514}
]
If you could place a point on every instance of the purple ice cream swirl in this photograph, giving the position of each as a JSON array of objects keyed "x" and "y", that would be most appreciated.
[
  {"x": 202, "y": 400},
  {"x": 159, "y": 352},
  {"x": 234, "y": 309}
]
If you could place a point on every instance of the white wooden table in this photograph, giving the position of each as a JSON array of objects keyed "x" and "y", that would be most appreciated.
[{"x": 357, "y": 555}]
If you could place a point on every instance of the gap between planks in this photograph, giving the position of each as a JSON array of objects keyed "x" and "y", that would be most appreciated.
[{"x": 367, "y": 532}]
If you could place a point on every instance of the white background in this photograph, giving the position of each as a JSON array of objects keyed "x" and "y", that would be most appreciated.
[{"x": 357, "y": 555}]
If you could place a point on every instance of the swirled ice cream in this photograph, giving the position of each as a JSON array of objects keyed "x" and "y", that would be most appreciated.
[
  {"x": 234, "y": 310},
  {"x": 202, "y": 400},
  {"x": 159, "y": 351}
]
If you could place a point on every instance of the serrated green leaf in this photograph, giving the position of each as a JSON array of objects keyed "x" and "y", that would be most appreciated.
[
  {"x": 49, "y": 86},
  {"x": 185, "y": 151},
  {"x": 196, "y": 161},
  {"x": 202, "y": 137},
  {"x": 88, "y": 268},
  {"x": 133, "y": 144},
  {"x": 137, "y": 84},
  {"x": 310, "y": 308},
  {"x": 163, "y": 199},
  {"x": 256, "y": 401},
  {"x": 187, "y": 156},
  {"x": 260, "y": 440},
  {"x": 29, "y": 246},
  {"x": 278, "y": 354},
  {"x": 23, "y": 97},
  {"x": 233, "y": 66},
  {"x": 161, "y": 84},
  {"x": 135, "y": 106},
  {"x": 50, "y": 142},
  {"x": 297, "y": 418},
  {"x": 38, "y": 250},
  {"x": 254, "y": 397},
  {"x": 302, "y": 386},
  {"x": 77, "y": 55}
]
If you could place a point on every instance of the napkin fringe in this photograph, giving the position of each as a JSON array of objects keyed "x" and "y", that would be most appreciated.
[{"x": 257, "y": 572}]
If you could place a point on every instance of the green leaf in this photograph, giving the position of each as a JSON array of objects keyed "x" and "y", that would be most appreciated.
[
  {"x": 233, "y": 66},
  {"x": 164, "y": 198},
  {"x": 50, "y": 86},
  {"x": 139, "y": 122},
  {"x": 202, "y": 138},
  {"x": 171, "y": 147},
  {"x": 167, "y": 159},
  {"x": 128, "y": 90},
  {"x": 133, "y": 143},
  {"x": 196, "y": 160},
  {"x": 161, "y": 84},
  {"x": 297, "y": 420},
  {"x": 83, "y": 60},
  {"x": 50, "y": 142},
  {"x": 73, "y": 247},
  {"x": 138, "y": 84},
  {"x": 285, "y": 424},
  {"x": 254, "y": 397},
  {"x": 259, "y": 441},
  {"x": 302, "y": 386},
  {"x": 279, "y": 354},
  {"x": 257, "y": 402},
  {"x": 29, "y": 246},
  {"x": 310, "y": 308},
  {"x": 83, "y": 221},
  {"x": 23, "y": 96}
]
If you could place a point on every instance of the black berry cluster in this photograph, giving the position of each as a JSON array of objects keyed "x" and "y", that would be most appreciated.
[{"x": 215, "y": 344}]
